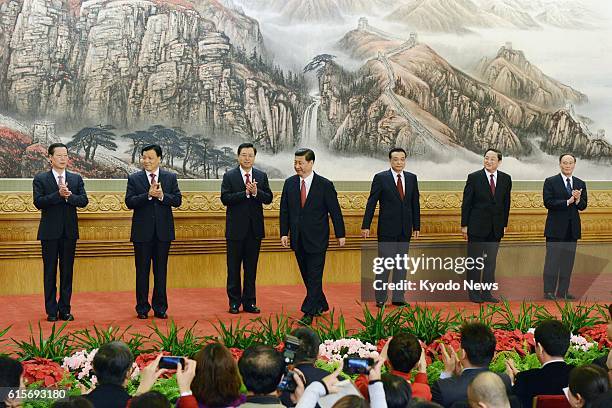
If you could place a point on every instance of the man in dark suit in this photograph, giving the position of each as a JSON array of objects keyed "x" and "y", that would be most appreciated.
[
  {"x": 552, "y": 342},
  {"x": 307, "y": 202},
  {"x": 477, "y": 350},
  {"x": 152, "y": 228},
  {"x": 112, "y": 365},
  {"x": 244, "y": 190},
  {"x": 484, "y": 218},
  {"x": 564, "y": 197},
  {"x": 399, "y": 216},
  {"x": 58, "y": 193}
]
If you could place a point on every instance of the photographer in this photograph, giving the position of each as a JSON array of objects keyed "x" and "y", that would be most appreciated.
[
  {"x": 304, "y": 359},
  {"x": 262, "y": 369}
]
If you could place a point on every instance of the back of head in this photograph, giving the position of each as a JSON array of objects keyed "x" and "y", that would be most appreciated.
[
  {"x": 351, "y": 401},
  {"x": 420, "y": 403},
  {"x": 217, "y": 381},
  {"x": 589, "y": 382},
  {"x": 553, "y": 336},
  {"x": 151, "y": 399},
  {"x": 479, "y": 343},
  {"x": 112, "y": 363},
  {"x": 73, "y": 402},
  {"x": 488, "y": 388},
  {"x": 397, "y": 391},
  {"x": 261, "y": 368},
  {"x": 404, "y": 352},
  {"x": 603, "y": 401},
  {"x": 309, "y": 347},
  {"x": 10, "y": 372}
]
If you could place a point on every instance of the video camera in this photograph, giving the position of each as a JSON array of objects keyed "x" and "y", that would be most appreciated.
[{"x": 292, "y": 344}]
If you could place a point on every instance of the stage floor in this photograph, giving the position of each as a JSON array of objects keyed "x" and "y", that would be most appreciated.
[{"x": 186, "y": 306}]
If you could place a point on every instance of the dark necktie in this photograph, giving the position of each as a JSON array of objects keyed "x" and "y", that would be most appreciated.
[
  {"x": 152, "y": 175},
  {"x": 400, "y": 187},
  {"x": 303, "y": 194},
  {"x": 492, "y": 185},
  {"x": 568, "y": 186}
]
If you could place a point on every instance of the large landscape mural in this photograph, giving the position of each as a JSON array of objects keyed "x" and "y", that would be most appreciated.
[{"x": 445, "y": 79}]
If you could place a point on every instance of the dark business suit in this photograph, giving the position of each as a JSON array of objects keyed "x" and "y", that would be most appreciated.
[
  {"x": 485, "y": 216},
  {"x": 397, "y": 219},
  {"x": 548, "y": 380},
  {"x": 58, "y": 231},
  {"x": 152, "y": 232},
  {"x": 244, "y": 230},
  {"x": 308, "y": 229},
  {"x": 449, "y": 391},
  {"x": 562, "y": 231},
  {"x": 108, "y": 396}
]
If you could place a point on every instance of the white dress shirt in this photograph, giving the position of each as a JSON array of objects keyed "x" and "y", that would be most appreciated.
[
  {"x": 489, "y": 177},
  {"x": 244, "y": 173},
  {"x": 308, "y": 181},
  {"x": 156, "y": 172},
  {"x": 402, "y": 178}
]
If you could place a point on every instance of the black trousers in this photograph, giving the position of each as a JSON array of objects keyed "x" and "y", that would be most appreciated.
[
  {"x": 486, "y": 247},
  {"x": 390, "y": 247},
  {"x": 53, "y": 250},
  {"x": 144, "y": 253},
  {"x": 243, "y": 252},
  {"x": 311, "y": 267},
  {"x": 559, "y": 263}
]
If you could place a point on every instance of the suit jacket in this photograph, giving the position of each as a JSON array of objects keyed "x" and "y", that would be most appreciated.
[
  {"x": 448, "y": 391},
  {"x": 482, "y": 212},
  {"x": 311, "y": 223},
  {"x": 58, "y": 215},
  {"x": 152, "y": 218},
  {"x": 108, "y": 396},
  {"x": 548, "y": 380},
  {"x": 396, "y": 216},
  {"x": 560, "y": 215},
  {"x": 240, "y": 208}
]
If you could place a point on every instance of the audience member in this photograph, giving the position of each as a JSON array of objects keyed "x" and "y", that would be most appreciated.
[
  {"x": 487, "y": 390},
  {"x": 397, "y": 391},
  {"x": 587, "y": 384},
  {"x": 552, "y": 341},
  {"x": 262, "y": 369}
]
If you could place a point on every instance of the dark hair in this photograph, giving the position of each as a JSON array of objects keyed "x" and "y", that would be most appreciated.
[
  {"x": 499, "y": 153},
  {"x": 217, "y": 381},
  {"x": 309, "y": 347},
  {"x": 397, "y": 391},
  {"x": 10, "y": 372},
  {"x": 590, "y": 381},
  {"x": 54, "y": 146},
  {"x": 478, "y": 341},
  {"x": 351, "y": 401},
  {"x": 603, "y": 401},
  {"x": 610, "y": 310},
  {"x": 112, "y": 363},
  {"x": 308, "y": 154},
  {"x": 150, "y": 399},
  {"x": 553, "y": 336},
  {"x": 247, "y": 146},
  {"x": 567, "y": 154},
  {"x": 396, "y": 150},
  {"x": 404, "y": 352},
  {"x": 154, "y": 147},
  {"x": 261, "y": 368},
  {"x": 73, "y": 402},
  {"x": 419, "y": 403}
]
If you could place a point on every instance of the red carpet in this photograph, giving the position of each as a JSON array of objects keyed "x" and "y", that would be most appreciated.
[{"x": 186, "y": 306}]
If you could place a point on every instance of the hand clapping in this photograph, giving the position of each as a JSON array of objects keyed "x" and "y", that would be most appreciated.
[
  {"x": 251, "y": 188},
  {"x": 64, "y": 192},
  {"x": 156, "y": 191}
]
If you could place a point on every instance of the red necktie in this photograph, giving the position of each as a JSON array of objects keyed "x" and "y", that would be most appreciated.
[
  {"x": 152, "y": 175},
  {"x": 248, "y": 178},
  {"x": 303, "y": 193},
  {"x": 492, "y": 185},
  {"x": 400, "y": 187}
]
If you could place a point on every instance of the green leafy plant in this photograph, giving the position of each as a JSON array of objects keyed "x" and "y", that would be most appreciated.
[
  {"x": 271, "y": 331},
  {"x": 486, "y": 315},
  {"x": 427, "y": 324},
  {"x": 329, "y": 329},
  {"x": 579, "y": 357},
  {"x": 92, "y": 339},
  {"x": 235, "y": 334},
  {"x": 2, "y": 334},
  {"x": 576, "y": 316},
  {"x": 171, "y": 341},
  {"x": 55, "y": 347},
  {"x": 527, "y": 362},
  {"x": 525, "y": 319},
  {"x": 379, "y": 326}
]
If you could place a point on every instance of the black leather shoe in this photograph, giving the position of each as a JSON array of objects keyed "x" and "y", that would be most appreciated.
[
  {"x": 306, "y": 320},
  {"x": 567, "y": 296},
  {"x": 550, "y": 296},
  {"x": 251, "y": 309},
  {"x": 476, "y": 299},
  {"x": 51, "y": 318},
  {"x": 234, "y": 310},
  {"x": 490, "y": 299},
  {"x": 67, "y": 317},
  {"x": 399, "y": 303},
  {"x": 380, "y": 305},
  {"x": 162, "y": 315},
  {"x": 142, "y": 316}
]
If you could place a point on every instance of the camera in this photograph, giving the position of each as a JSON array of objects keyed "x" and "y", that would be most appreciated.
[
  {"x": 292, "y": 344},
  {"x": 171, "y": 362},
  {"x": 356, "y": 365}
]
